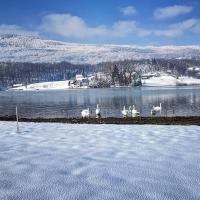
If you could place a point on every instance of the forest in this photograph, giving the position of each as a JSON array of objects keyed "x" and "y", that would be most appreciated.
[{"x": 26, "y": 73}]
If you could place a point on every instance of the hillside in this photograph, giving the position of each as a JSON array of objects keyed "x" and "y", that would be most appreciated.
[{"x": 16, "y": 48}]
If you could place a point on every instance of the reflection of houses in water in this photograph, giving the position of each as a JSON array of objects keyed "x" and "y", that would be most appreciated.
[
  {"x": 69, "y": 103},
  {"x": 175, "y": 102}
]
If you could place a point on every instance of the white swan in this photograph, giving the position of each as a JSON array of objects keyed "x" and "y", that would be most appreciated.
[
  {"x": 157, "y": 109},
  {"x": 85, "y": 113},
  {"x": 134, "y": 112},
  {"x": 125, "y": 112},
  {"x": 98, "y": 112}
]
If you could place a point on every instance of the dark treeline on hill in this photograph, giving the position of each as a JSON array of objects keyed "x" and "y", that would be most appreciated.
[
  {"x": 177, "y": 66},
  {"x": 14, "y": 73}
]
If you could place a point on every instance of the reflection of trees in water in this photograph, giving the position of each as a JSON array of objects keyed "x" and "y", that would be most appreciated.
[
  {"x": 111, "y": 101},
  {"x": 174, "y": 104}
]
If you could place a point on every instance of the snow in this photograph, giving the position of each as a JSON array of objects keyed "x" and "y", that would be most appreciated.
[
  {"x": 184, "y": 80},
  {"x": 54, "y": 85},
  {"x": 161, "y": 81},
  {"x": 168, "y": 80},
  {"x": 65, "y": 161},
  {"x": 164, "y": 80},
  {"x": 16, "y": 48}
]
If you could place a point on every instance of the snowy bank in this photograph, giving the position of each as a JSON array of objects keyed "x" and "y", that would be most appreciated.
[
  {"x": 59, "y": 161},
  {"x": 165, "y": 80},
  {"x": 55, "y": 85}
]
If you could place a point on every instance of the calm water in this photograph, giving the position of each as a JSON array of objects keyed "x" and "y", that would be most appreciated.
[
  {"x": 95, "y": 162},
  {"x": 69, "y": 103}
]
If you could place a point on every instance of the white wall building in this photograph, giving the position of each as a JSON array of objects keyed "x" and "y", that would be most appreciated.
[{"x": 79, "y": 77}]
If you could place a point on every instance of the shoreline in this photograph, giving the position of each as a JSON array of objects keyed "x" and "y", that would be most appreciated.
[
  {"x": 83, "y": 88},
  {"x": 176, "y": 120}
]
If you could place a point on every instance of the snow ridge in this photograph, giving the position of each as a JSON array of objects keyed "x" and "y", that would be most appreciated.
[{"x": 20, "y": 48}]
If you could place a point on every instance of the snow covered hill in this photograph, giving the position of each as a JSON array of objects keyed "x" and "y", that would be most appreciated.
[{"x": 16, "y": 48}]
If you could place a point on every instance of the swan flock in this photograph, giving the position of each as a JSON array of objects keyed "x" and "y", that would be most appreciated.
[{"x": 131, "y": 112}]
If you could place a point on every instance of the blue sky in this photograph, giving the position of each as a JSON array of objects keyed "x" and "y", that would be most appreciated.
[{"x": 142, "y": 22}]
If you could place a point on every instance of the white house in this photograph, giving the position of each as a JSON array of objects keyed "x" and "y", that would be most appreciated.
[{"x": 79, "y": 77}]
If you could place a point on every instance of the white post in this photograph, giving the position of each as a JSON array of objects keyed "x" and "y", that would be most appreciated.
[{"x": 17, "y": 118}]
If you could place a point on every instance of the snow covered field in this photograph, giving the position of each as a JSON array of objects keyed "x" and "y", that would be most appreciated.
[
  {"x": 16, "y": 48},
  {"x": 65, "y": 161},
  {"x": 168, "y": 80},
  {"x": 188, "y": 81},
  {"x": 55, "y": 85}
]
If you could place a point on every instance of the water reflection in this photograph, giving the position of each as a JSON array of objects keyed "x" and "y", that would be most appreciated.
[{"x": 69, "y": 103}]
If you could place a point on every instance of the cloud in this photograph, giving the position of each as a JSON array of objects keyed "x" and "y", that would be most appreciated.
[
  {"x": 124, "y": 28},
  {"x": 70, "y": 26},
  {"x": 171, "y": 11},
  {"x": 75, "y": 27},
  {"x": 15, "y": 29},
  {"x": 174, "y": 30},
  {"x": 129, "y": 10}
]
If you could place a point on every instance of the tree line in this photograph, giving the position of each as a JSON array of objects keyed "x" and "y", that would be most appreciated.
[{"x": 120, "y": 71}]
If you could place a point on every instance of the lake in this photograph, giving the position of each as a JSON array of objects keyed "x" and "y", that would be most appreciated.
[
  {"x": 92, "y": 162},
  {"x": 180, "y": 101}
]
